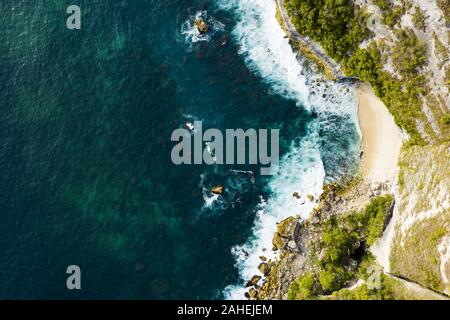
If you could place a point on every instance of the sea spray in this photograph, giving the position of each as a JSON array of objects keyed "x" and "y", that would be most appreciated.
[{"x": 267, "y": 53}]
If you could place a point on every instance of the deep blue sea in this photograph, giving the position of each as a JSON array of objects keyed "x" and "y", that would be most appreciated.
[{"x": 85, "y": 123}]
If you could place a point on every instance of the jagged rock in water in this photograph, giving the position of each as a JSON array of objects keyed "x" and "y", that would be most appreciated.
[
  {"x": 202, "y": 26},
  {"x": 253, "y": 281},
  {"x": 218, "y": 190},
  {"x": 264, "y": 268},
  {"x": 292, "y": 245},
  {"x": 262, "y": 258},
  {"x": 296, "y": 195}
]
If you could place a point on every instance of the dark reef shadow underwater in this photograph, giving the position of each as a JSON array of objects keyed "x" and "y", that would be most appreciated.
[{"x": 86, "y": 176}]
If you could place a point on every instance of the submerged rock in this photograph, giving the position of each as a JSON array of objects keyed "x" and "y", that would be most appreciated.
[
  {"x": 252, "y": 293},
  {"x": 310, "y": 197},
  {"x": 202, "y": 26}
]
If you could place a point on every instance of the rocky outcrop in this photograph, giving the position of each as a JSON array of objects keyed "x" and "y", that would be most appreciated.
[
  {"x": 300, "y": 243},
  {"x": 253, "y": 281},
  {"x": 218, "y": 190},
  {"x": 310, "y": 48},
  {"x": 286, "y": 233},
  {"x": 202, "y": 26}
]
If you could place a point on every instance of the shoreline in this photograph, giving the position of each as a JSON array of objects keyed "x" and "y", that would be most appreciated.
[
  {"x": 310, "y": 49},
  {"x": 380, "y": 138},
  {"x": 379, "y": 174}
]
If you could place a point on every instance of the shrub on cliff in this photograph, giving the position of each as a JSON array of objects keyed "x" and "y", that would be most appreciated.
[
  {"x": 409, "y": 53},
  {"x": 418, "y": 19},
  {"x": 370, "y": 223},
  {"x": 382, "y": 4},
  {"x": 303, "y": 288},
  {"x": 333, "y": 23},
  {"x": 337, "y": 243}
]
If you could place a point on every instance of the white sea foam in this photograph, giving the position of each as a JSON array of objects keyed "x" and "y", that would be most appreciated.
[
  {"x": 191, "y": 33},
  {"x": 301, "y": 171},
  {"x": 267, "y": 53}
]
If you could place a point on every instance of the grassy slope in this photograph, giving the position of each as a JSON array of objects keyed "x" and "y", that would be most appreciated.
[
  {"x": 339, "y": 28},
  {"x": 424, "y": 187}
]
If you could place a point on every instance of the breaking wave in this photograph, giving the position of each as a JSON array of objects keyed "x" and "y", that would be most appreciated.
[{"x": 332, "y": 141}]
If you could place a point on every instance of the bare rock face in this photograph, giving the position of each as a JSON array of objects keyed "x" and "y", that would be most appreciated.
[
  {"x": 202, "y": 26},
  {"x": 253, "y": 281},
  {"x": 264, "y": 268}
]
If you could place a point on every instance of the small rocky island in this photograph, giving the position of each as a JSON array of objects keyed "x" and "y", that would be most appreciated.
[{"x": 201, "y": 26}]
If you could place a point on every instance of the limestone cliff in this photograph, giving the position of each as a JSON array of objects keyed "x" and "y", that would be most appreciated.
[{"x": 383, "y": 241}]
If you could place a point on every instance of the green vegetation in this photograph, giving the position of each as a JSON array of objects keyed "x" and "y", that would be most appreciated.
[
  {"x": 424, "y": 173},
  {"x": 374, "y": 217},
  {"x": 382, "y": 4},
  {"x": 445, "y": 120},
  {"x": 392, "y": 16},
  {"x": 400, "y": 96},
  {"x": 418, "y": 258},
  {"x": 447, "y": 76},
  {"x": 437, "y": 106},
  {"x": 418, "y": 19},
  {"x": 409, "y": 54},
  {"x": 363, "y": 292},
  {"x": 339, "y": 27},
  {"x": 441, "y": 50},
  {"x": 335, "y": 255},
  {"x": 332, "y": 23},
  {"x": 391, "y": 13},
  {"x": 303, "y": 287},
  {"x": 445, "y": 8}
]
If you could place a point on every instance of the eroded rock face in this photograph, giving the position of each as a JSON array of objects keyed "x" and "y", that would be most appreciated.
[
  {"x": 264, "y": 268},
  {"x": 252, "y": 293},
  {"x": 286, "y": 232},
  {"x": 253, "y": 281},
  {"x": 202, "y": 26}
]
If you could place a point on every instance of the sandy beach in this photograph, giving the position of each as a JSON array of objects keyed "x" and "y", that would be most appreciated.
[{"x": 381, "y": 138}]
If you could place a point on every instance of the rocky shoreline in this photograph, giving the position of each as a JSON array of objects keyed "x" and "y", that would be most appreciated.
[
  {"x": 300, "y": 272},
  {"x": 307, "y": 47},
  {"x": 295, "y": 238}
]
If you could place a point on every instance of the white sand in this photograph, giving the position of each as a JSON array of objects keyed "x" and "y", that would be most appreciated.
[
  {"x": 381, "y": 146},
  {"x": 381, "y": 138}
]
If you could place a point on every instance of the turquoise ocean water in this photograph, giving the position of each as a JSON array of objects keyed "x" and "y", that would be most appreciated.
[{"x": 85, "y": 124}]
